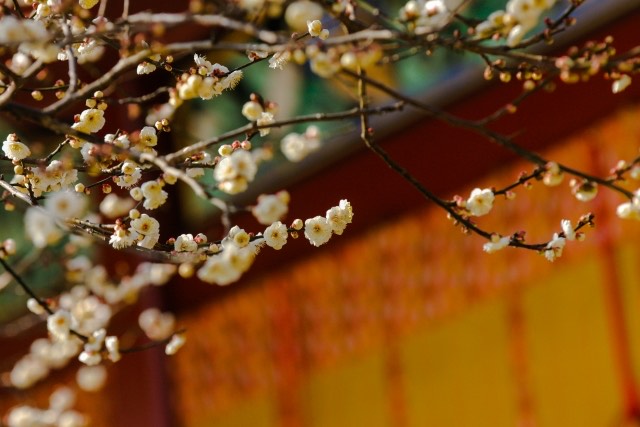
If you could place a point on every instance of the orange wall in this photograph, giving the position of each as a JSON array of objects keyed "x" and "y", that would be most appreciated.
[{"x": 411, "y": 324}]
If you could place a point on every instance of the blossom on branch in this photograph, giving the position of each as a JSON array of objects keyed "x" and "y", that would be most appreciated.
[
  {"x": 14, "y": 149},
  {"x": 480, "y": 202}
]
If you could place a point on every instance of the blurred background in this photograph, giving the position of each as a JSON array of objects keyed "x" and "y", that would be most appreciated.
[{"x": 403, "y": 320}]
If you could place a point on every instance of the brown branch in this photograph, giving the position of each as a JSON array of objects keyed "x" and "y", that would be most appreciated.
[
  {"x": 33, "y": 295},
  {"x": 15, "y": 193},
  {"x": 253, "y": 127},
  {"x": 494, "y": 136},
  {"x": 100, "y": 83},
  {"x": 25, "y": 287},
  {"x": 204, "y": 20},
  {"x": 366, "y": 137}
]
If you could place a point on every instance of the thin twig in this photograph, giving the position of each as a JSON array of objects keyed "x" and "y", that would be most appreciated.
[
  {"x": 148, "y": 18},
  {"x": 25, "y": 287},
  {"x": 165, "y": 167},
  {"x": 494, "y": 136},
  {"x": 71, "y": 60},
  {"x": 15, "y": 193},
  {"x": 253, "y": 127}
]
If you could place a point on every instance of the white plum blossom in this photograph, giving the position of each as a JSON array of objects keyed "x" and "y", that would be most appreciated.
[
  {"x": 426, "y": 16},
  {"x": 567, "y": 229},
  {"x": 40, "y": 50},
  {"x": 266, "y": 118},
  {"x": 218, "y": 270},
  {"x": 87, "y": 51},
  {"x": 145, "y": 68},
  {"x": 275, "y": 236},
  {"x": 121, "y": 141},
  {"x": 631, "y": 209},
  {"x": 296, "y": 147},
  {"x": 237, "y": 237},
  {"x": 27, "y": 371},
  {"x": 20, "y": 62},
  {"x": 41, "y": 227},
  {"x": 193, "y": 173},
  {"x": 23, "y": 415},
  {"x": 325, "y": 64},
  {"x": 314, "y": 28},
  {"x": 185, "y": 243},
  {"x": 209, "y": 87},
  {"x": 58, "y": 414},
  {"x": 59, "y": 324},
  {"x": 154, "y": 195},
  {"x": 621, "y": 84},
  {"x": 62, "y": 398},
  {"x": 148, "y": 137},
  {"x": 8, "y": 246},
  {"x": 554, "y": 247},
  {"x": 89, "y": 312},
  {"x": 527, "y": 15},
  {"x": 239, "y": 163},
  {"x": 340, "y": 216},
  {"x": 112, "y": 344},
  {"x": 252, "y": 110},
  {"x": 553, "y": 175},
  {"x": 208, "y": 81},
  {"x": 96, "y": 340},
  {"x": 90, "y": 121},
  {"x": 207, "y": 68},
  {"x": 188, "y": 89},
  {"x": 584, "y": 191},
  {"x": 155, "y": 274},
  {"x": 229, "y": 265},
  {"x": 91, "y": 378},
  {"x": 147, "y": 227},
  {"x": 148, "y": 67},
  {"x": 65, "y": 204},
  {"x": 35, "y": 307},
  {"x": 131, "y": 174},
  {"x": 497, "y": 243},
  {"x": 518, "y": 18},
  {"x": 123, "y": 238},
  {"x": 14, "y": 149},
  {"x": 279, "y": 60},
  {"x": 203, "y": 64},
  {"x": 155, "y": 324},
  {"x": 113, "y": 206},
  {"x": 271, "y": 207},
  {"x": 299, "y": 12},
  {"x": 317, "y": 230},
  {"x": 480, "y": 202},
  {"x": 235, "y": 171},
  {"x": 231, "y": 80},
  {"x": 54, "y": 177},
  {"x": 90, "y": 358},
  {"x": 176, "y": 342},
  {"x": 14, "y": 31}
]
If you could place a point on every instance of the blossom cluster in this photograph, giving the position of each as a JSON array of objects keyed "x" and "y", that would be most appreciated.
[
  {"x": 206, "y": 81},
  {"x": 236, "y": 171},
  {"x": 237, "y": 251},
  {"x": 111, "y": 178},
  {"x": 59, "y": 413},
  {"x": 518, "y": 18},
  {"x": 78, "y": 320},
  {"x": 296, "y": 147},
  {"x": 425, "y": 16}
]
